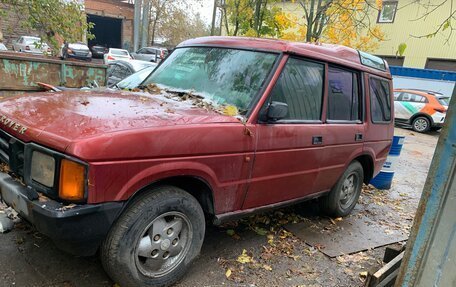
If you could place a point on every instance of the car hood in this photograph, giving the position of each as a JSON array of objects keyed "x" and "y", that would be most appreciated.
[{"x": 57, "y": 119}]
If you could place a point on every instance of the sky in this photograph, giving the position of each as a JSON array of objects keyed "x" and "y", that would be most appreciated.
[{"x": 205, "y": 7}]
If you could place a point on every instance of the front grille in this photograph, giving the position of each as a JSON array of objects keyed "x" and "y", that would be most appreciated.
[{"x": 12, "y": 153}]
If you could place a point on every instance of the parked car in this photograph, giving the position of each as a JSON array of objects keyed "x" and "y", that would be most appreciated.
[
  {"x": 116, "y": 54},
  {"x": 422, "y": 110},
  {"x": 228, "y": 126},
  {"x": 98, "y": 51},
  {"x": 120, "y": 69},
  {"x": 30, "y": 44},
  {"x": 78, "y": 51},
  {"x": 151, "y": 54},
  {"x": 3, "y": 47}
]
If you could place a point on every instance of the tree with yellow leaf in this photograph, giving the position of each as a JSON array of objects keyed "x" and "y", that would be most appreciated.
[
  {"x": 254, "y": 18},
  {"x": 346, "y": 22}
]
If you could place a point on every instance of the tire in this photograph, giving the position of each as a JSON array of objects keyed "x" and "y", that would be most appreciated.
[
  {"x": 421, "y": 124},
  {"x": 136, "y": 239},
  {"x": 343, "y": 196}
]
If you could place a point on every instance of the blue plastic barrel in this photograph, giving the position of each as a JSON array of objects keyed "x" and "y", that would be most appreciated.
[{"x": 384, "y": 179}]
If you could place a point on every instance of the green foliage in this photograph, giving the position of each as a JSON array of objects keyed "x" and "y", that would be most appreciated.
[
  {"x": 401, "y": 49},
  {"x": 55, "y": 20},
  {"x": 254, "y": 18}
]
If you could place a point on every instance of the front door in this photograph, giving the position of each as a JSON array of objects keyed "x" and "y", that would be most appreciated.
[{"x": 289, "y": 150}]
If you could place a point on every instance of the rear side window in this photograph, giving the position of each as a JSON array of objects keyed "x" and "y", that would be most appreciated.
[
  {"x": 343, "y": 95},
  {"x": 380, "y": 100},
  {"x": 300, "y": 86}
]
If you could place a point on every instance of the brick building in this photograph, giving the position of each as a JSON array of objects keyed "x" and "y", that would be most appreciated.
[{"x": 113, "y": 21}]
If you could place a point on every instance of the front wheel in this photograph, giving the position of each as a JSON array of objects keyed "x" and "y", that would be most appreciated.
[
  {"x": 344, "y": 195},
  {"x": 155, "y": 239}
]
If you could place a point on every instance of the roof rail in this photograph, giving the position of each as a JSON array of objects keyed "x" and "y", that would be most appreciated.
[{"x": 425, "y": 91}]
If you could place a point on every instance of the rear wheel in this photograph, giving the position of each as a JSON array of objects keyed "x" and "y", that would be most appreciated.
[
  {"x": 421, "y": 124},
  {"x": 344, "y": 195},
  {"x": 155, "y": 239}
]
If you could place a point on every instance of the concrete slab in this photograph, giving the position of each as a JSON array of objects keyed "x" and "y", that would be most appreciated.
[{"x": 349, "y": 235}]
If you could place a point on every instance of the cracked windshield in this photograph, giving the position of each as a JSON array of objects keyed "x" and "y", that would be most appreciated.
[{"x": 222, "y": 76}]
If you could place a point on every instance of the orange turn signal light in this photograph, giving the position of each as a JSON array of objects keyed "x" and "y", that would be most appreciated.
[{"x": 72, "y": 180}]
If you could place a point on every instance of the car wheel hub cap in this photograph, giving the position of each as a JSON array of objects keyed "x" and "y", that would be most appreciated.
[
  {"x": 421, "y": 124},
  {"x": 164, "y": 244},
  {"x": 348, "y": 190}
]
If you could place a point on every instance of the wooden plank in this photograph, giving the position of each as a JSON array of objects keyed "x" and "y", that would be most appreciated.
[{"x": 378, "y": 278}]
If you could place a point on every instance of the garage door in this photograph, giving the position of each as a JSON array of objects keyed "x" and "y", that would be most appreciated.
[{"x": 441, "y": 64}]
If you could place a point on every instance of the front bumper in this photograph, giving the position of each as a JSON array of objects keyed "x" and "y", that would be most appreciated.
[{"x": 78, "y": 230}]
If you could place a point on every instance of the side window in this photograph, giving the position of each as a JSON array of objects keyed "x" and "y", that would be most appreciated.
[
  {"x": 420, "y": 99},
  {"x": 141, "y": 51},
  {"x": 343, "y": 95},
  {"x": 380, "y": 100},
  {"x": 300, "y": 86},
  {"x": 406, "y": 97},
  {"x": 397, "y": 96}
]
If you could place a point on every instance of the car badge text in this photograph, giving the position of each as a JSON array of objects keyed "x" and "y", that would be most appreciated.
[{"x": 13, "y": 125}]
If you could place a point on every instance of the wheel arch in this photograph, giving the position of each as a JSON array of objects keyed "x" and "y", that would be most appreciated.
[
  {"x": 196, "y": 186},
  {"x": 431, "y": 121},
  {"x": 367, "y": 163}
]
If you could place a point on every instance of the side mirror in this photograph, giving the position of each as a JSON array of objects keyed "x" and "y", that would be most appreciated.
[{"x": 277, "y": 111}]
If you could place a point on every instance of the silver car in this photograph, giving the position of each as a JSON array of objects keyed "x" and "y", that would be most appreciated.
[
  {"x": 150, "y": 54},
  {"x": 3, "y": 47},
  {"x": 29, "y": 44}
]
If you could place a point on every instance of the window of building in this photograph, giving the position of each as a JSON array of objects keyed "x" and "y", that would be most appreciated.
[
  {"x": 394, "y": 60},
  {"x": 300, "y": 86},
  {"x": 380, "y": 100},
  {"x": 343, "y": 95},
  {"x": 388, "y": 12},
  {"x": 441, "y": 64}
]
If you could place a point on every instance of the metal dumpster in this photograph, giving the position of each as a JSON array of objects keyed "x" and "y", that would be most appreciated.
[{"x": 19, "y": 73}]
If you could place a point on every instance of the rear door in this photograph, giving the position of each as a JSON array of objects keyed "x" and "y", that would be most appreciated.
[
  {"x": 344, "y": 125},
  {"x": 289, "y": 151}
]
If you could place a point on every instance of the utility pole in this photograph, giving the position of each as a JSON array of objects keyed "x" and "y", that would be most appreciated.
[
  {"x": 136, "y": 25},
  {"x": 214, "y": 15},
  {"x": 145, "y": 23}
]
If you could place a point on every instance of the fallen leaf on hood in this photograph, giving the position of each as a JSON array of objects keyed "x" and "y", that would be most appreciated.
[
  {"x": 230, "y": 111},
  {"x": 228, "y": 273},
  {"x": 85, "y": 103},
  {"x": 267, "y": 267}
]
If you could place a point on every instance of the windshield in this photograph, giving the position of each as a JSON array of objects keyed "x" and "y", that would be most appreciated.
[
  {"x": 119, "y": 52},
  {"x": 32, "y": 40},
  {"x": 222, "y": 76},
  {"x": 139, "y": 65},
  {"x": 444, "y": 101},
  {"x": 135, "y": 79}
]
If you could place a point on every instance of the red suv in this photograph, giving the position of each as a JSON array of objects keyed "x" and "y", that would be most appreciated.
[{"x": 228, "y": 126}]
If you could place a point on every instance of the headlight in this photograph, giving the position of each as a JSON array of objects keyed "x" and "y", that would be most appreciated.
[
  {"x": 43, "y": 168},
  {"x": 72, "y": 180}
]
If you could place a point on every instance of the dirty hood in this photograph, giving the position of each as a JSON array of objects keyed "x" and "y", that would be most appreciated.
[{"x": 56, "y": 119}]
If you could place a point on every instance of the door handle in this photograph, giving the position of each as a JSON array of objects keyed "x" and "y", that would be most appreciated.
[
  {"x": 358, "y": 137},
  {"x": 316, "y": 140}
]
